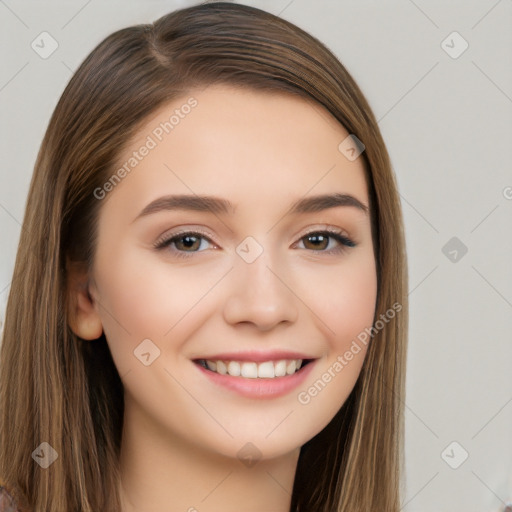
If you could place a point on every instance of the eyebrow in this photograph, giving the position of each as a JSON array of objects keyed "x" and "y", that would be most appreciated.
[{"x": 218, "y": 205}]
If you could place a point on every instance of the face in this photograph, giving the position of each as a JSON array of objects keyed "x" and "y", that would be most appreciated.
[{"x": 258, "y": 279}]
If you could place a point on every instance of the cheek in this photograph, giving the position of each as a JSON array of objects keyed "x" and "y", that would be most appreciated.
[
  {"x": 142, "y": 298},
  {"x": 353, "y": 308},
  {"x": 344, "y": 302},
  {"x": 343, "y": 298}
]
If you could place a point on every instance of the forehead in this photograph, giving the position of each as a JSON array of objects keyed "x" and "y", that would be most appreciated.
[{"x": 240, "y": 143}]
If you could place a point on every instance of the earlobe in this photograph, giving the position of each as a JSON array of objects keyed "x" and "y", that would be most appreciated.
[{"x": 83, "y": 317}]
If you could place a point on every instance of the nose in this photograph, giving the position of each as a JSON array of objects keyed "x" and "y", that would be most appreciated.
[{"x": 261, "y": 294}]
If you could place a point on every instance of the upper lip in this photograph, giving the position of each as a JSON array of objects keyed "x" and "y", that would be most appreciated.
[{"x": 257, "y": 356}]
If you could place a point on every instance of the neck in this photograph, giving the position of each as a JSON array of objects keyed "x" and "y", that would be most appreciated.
[{"x": 163, "y": 473}]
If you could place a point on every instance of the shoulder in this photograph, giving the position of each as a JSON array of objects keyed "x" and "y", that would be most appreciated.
[{"x": 7, "y": 501}]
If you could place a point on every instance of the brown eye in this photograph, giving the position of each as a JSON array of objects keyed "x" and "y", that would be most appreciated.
[
  {"x": 184, "y": 244},
  {"x": 318, "y": 241},
  {"x": 189, "y": 243}
]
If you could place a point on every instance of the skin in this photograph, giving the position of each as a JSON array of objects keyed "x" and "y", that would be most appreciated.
[{"x": 182, "y": 433}]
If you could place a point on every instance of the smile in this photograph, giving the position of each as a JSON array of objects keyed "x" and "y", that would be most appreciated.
[
  {"x": 254, "y": 370},
  {"x": 256, "y": 376}
]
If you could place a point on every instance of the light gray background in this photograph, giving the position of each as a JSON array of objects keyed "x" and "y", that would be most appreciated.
[{"x": 447, "y": 123}]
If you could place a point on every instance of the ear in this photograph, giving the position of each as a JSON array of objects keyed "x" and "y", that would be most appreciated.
[{"x": 83, "y": 317}]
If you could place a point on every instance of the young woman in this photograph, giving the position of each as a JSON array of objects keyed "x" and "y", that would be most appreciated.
[{"x": 208, "y": 309}]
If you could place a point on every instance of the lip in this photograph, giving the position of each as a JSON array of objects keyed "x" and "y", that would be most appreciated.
[
  {"x": 256, "y": 356},
  {"x": 258, "y": 388}
]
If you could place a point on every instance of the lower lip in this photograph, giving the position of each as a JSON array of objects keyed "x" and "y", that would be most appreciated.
[{"x": 259, "y": 388}]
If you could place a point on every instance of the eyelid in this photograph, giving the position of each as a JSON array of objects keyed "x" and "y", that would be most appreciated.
[{"x": 322, "y": 227}]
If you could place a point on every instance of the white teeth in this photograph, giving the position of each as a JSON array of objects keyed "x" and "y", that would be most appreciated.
[
  {"x": 291, "y": 367},
  {"x": 280, "y": 368},
  {"x": 266, "y": 370},
  {"x": 221, "y": 368},
  {"x": 252, "y": 370},
  {"x": 234, "y": 368},
  {"x": 249, "y": 370}
]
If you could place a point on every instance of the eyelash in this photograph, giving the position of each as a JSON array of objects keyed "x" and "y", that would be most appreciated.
[{"x": 344, "y": 241}]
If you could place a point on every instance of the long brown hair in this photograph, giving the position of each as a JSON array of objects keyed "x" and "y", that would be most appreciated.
[{"x": 60, "y": 389}]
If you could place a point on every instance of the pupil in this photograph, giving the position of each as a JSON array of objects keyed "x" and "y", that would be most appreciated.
[
  {"x": 316, "y": 239},
  {"x": 189, "y": 241}
]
